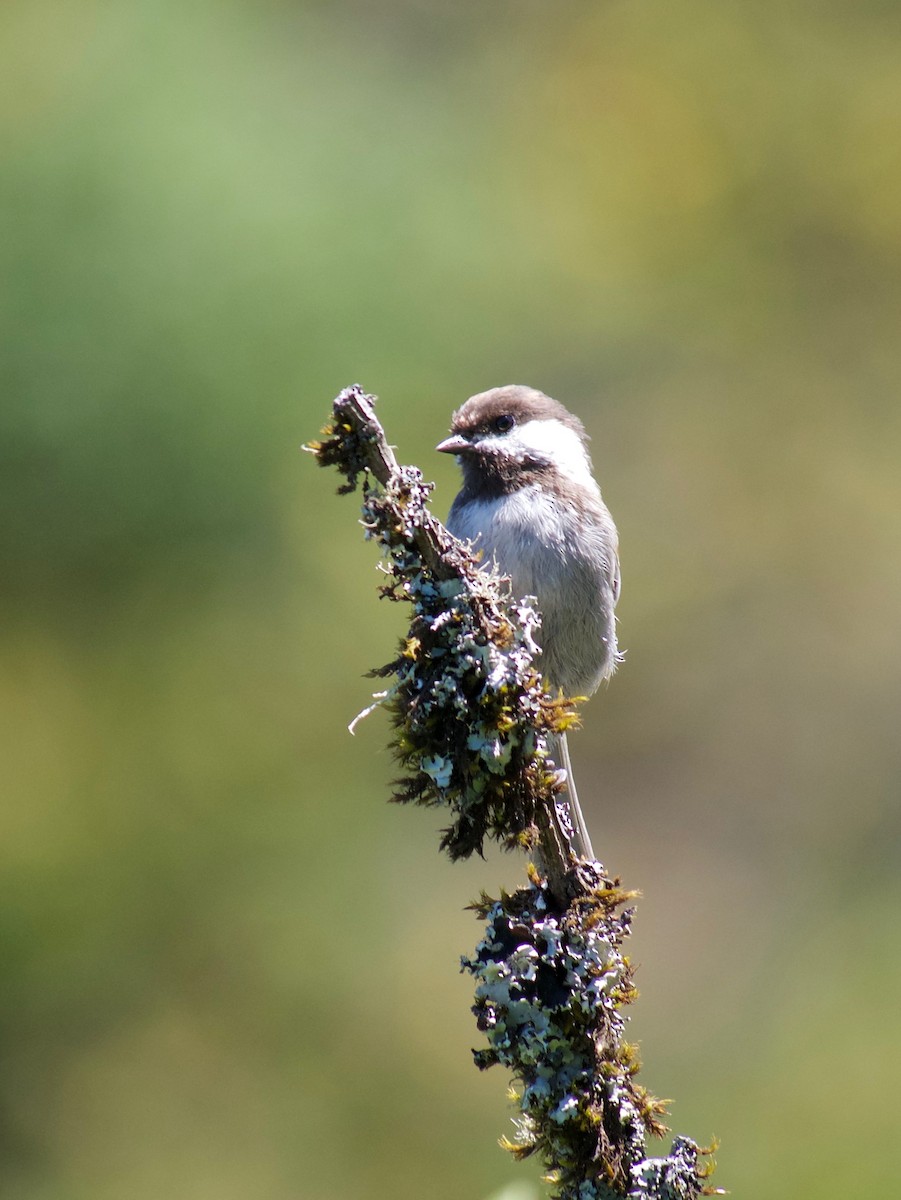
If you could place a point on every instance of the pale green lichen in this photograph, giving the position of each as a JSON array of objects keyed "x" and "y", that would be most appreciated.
[
  {"x": 470, "y": 711},
  {"x": 550, "y": 988}
]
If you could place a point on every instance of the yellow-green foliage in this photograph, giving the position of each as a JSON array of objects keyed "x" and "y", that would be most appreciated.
[{"x": 681, "y": 219}]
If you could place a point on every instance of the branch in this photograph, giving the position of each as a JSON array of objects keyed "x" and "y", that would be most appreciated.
[
  {"x": 471, "y": 713},
  {"x": 472, "y": 721}
]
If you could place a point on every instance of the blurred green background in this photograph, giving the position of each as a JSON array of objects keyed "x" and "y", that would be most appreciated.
[{"x": 229, "y": 968}]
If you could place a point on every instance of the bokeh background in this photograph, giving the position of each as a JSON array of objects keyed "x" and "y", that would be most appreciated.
[{"x": 229, "y": 968}]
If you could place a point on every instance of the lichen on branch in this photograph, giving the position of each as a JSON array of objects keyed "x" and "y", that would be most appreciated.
[
  {"x": 471, "y": 716},
  {"x": 471, "y": 724}
]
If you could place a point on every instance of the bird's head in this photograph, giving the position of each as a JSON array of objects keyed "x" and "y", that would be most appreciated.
[{"x": 513, "y": 436}]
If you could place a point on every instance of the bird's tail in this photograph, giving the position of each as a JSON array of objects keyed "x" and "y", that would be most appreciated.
[{"x": 581, "y": 842}]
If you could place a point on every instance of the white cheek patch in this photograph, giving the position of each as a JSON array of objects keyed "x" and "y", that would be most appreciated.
[{"x": 557, "y": 442}]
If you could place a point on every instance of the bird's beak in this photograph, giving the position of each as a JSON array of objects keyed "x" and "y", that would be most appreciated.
[{"x": 455, "y": 444}]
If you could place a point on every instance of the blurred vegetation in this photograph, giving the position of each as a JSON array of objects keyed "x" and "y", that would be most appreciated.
[{"x": 683, "y": 221}]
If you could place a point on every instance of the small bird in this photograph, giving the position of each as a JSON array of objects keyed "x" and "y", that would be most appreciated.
[{"x": 530, "y": 502}]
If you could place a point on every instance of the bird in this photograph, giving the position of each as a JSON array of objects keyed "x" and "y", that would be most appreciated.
[{"x": 530, "y": 503}]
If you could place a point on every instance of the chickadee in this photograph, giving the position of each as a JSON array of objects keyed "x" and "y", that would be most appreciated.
[{"x": 530, "y": 502}]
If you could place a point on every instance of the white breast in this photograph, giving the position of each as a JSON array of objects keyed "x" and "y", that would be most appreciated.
[
  {"x": 567, "y": 561},
  {"x": 521, "y": 534}
]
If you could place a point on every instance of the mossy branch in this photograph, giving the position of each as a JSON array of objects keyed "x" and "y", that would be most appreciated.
[
  {"x": 471, "y": 722},
  {"x": 471, "y": 715}
]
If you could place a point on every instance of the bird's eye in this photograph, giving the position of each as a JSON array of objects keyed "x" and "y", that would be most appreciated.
[{"x": 504, "y": 423}]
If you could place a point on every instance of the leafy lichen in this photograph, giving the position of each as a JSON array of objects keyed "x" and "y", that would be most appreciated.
[
  {"x": 550, "y": 989},
  {"x": 470, "y": 713},
  {"x": 471, "y": 725}
]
